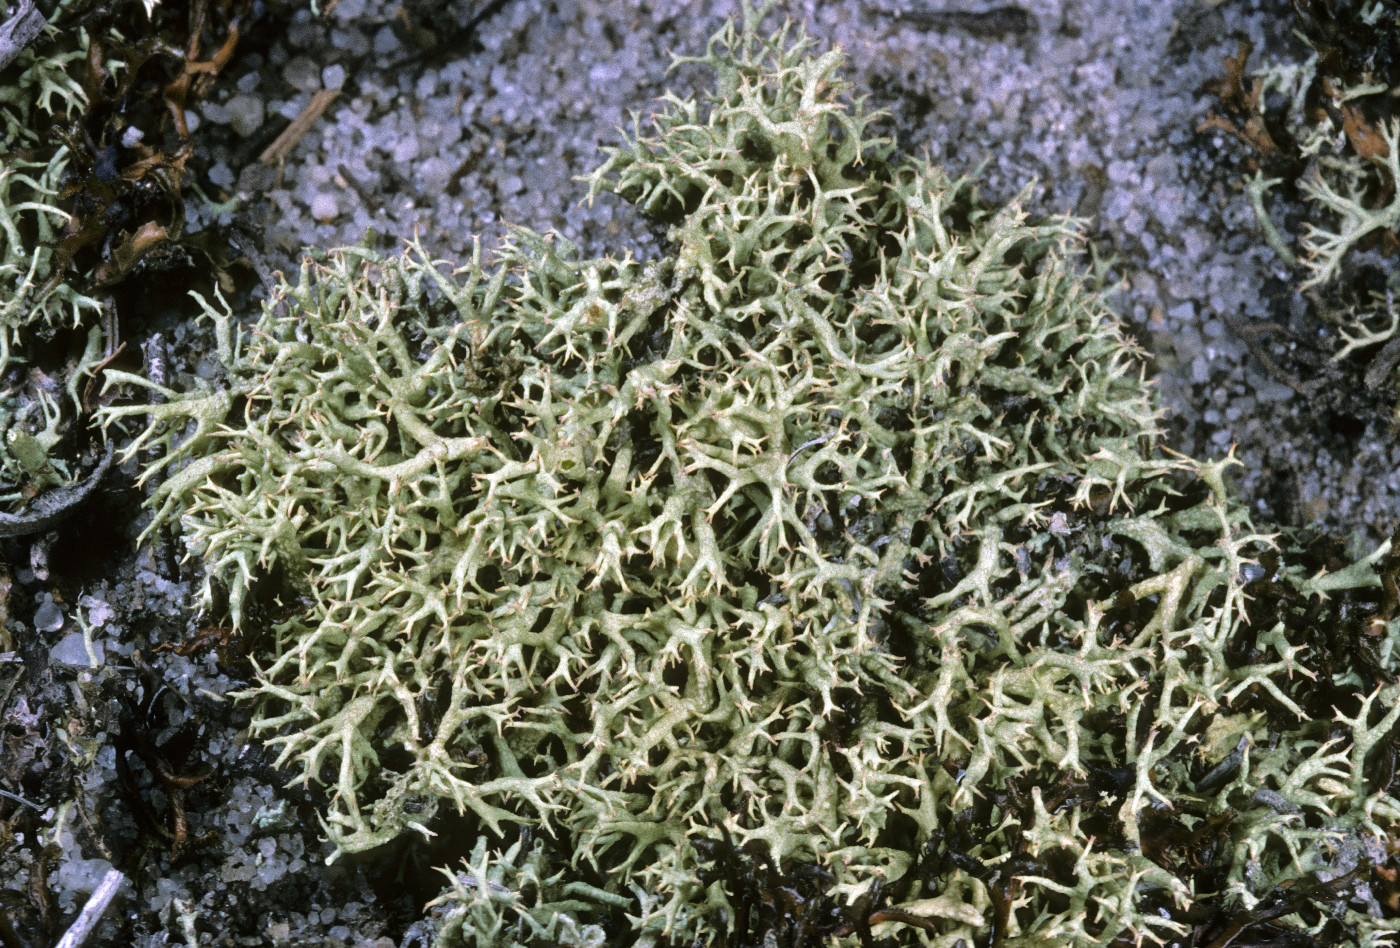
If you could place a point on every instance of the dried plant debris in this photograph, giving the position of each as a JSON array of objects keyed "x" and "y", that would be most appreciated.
[
  {"x": 1323, "y": 127},
  {"x": 825, "y": 580},
  {"x": 994, "y": 22},
  {"x": 49, "y": 508},
  {"x": 43, "y": 752},
  {"x": 131, "y": 146},
  {"x": 93, "y": 171}
]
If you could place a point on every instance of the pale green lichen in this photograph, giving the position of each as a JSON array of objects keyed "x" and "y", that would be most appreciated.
[
  {"x": 517, "y": 898},
  {"x": 35, "y": 296},
  {"x": 1336, "y": 111},
  {"x": 1350, "y": 163},
  {"x": 843, "y": 530},
  {"x": 31, "y": 223}
]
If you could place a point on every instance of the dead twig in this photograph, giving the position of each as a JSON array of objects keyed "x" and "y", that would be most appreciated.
[
  {"x": 246, "y": 243},
  {"x": 196, "y": 76},
  {"x": 133, "y": 738},
  {"x": 39, "y": 888},
  {"x": 284, "y": 143},
  {"x": 19, "y": 799},
  {"x": 90, "y": 387},
  {"x": 92, "y": 913},
  {"x": 1250, "y": 334},
  {"x": 996, "y": 23},
  {"x": 19, "y": 31}
]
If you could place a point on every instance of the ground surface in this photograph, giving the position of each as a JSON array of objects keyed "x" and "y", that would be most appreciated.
[{"x": 480, "y": 116}]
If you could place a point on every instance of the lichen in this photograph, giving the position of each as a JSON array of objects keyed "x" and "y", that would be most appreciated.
[
  {"x": 92, "y": 183},
  {"x": 516, "y": 898},
  {"x": 34, "y": 296},
  {"x": 1335, "y": 110},
  {"x": 32, "y": 290},
  {"x": 1323, "y": 128},
  {"x": 844, "y": 532}
]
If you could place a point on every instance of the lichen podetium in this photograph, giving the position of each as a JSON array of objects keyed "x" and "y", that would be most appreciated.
[
  {"x": 1322, "y": 120},
  {"x": 844, "y": 532},
  {"x": 35, "y": 298}
]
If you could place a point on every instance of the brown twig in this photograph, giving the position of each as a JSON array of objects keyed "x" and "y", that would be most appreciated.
[
  {"x": 1249, "y": 333},
  {"x": 39, "y": 888},
  {"x": 995, "y": 23},
  {"x": 90, "y": 387},
  {"x": 284, "y": 143},
  {"x": 132, "y": 738}
]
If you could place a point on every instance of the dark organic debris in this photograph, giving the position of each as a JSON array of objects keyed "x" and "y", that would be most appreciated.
[
  {"x": 789, "y": 906},
  {"x": 165, "y": 760},
  {"x": 17, "y": 32},
  {"x": 993, "y": 23},
  {"x": 50, "y": 508},
  {"x": 131, "y": 147}
]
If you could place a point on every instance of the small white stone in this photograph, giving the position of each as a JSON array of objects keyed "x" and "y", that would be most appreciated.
[
  {"x": 348, "y": 11},
  {"x": 71, "y": 650},
  {"x": 434, "y": 175},
  {"x": 221, "y": 176},
  {"x": 385, "y": 42},
  {"x": 294, "y": 106},
  {"x": 99, "y": 611},
  {"x": 245, "y": 114},
  {"x": 48, "y": 617},
  {"x": 324, "y": 208},
  {"x": 301, "y": 74},
  {"x": 405, "y": 149},
  {"x": 333, "y": 76},
  {"x": 82, "y": 875}
]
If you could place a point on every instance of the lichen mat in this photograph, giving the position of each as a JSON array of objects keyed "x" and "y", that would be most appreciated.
[{"x": 825, "y": 580}]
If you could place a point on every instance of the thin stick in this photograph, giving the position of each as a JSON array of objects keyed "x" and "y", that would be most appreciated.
[
  {"x": 293, "y": 133},
  {"x": 92, "y": 913},
  {"x": 19, "y": 799}
]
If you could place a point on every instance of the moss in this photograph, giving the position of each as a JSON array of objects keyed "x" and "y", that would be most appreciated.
[{"x": 833, "y": 558}]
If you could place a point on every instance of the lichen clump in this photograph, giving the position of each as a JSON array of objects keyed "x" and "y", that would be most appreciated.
[
  {"x": 1323, "y": 127},
  {"x": 41, "y": 89},
  {"x": 34, "y": 297},
  {"x": 837, "y": 545}
]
